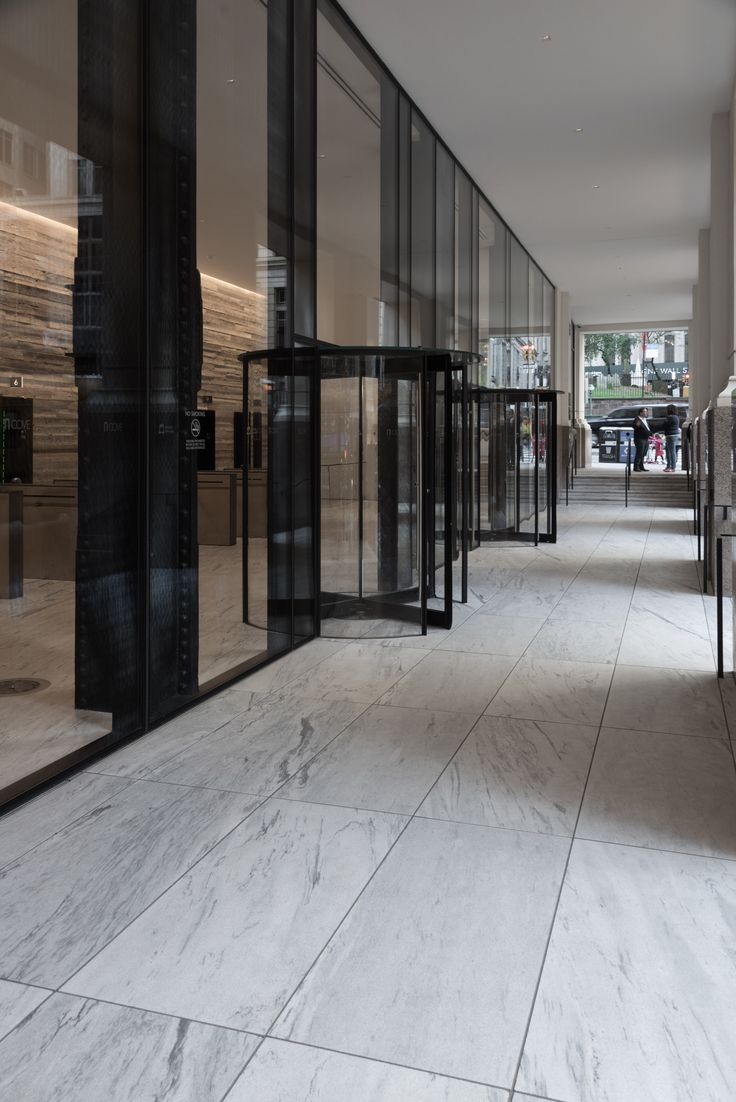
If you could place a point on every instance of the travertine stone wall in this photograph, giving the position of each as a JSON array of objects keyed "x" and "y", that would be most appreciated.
[
  {"x": 234, "y": 322},
  {"x": 36, "y": 271}
]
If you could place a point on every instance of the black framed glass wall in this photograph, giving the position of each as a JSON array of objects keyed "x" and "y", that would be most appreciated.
[
  {"x": 71, "y": 333},
  {"x": 181, "y": 185}
]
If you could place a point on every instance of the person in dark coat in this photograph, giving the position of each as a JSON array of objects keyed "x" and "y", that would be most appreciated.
[
  {"x": 671, "y": 434},
  {"x": 642, "y": 433}
]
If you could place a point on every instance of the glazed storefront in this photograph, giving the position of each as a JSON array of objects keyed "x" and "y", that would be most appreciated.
[{"x": 182, "y": 185}]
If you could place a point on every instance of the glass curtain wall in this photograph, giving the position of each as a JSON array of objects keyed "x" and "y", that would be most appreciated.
[
  {"x": 70, "y": 395},
  {"x": 181, "y": 185}
]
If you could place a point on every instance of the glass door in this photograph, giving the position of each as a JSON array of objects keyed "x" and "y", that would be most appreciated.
[
  {"x": 370, "y": 486},
  {"x": 515, "y": 448}
]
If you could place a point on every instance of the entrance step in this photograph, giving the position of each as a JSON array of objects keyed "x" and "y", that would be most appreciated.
[{"x": 652, "y": 488}]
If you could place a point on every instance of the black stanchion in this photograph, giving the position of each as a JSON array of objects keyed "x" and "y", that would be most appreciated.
[{"x": 719, "y": 604}]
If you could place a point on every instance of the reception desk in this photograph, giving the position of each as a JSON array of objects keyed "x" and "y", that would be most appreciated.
[
  {"x": 217, "y": 512},
  {"x": 50, "y": 531},
  {"x": 11, "y": 544}
]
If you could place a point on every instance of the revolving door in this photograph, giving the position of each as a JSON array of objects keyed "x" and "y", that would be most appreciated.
[
  {"x": 384, "y": 434},
  {"x": 387, "y": 522},
  {"x": 513, "y": 466}
]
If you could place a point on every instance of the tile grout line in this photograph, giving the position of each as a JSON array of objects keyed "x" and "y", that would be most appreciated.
[{"x": 563, "y": 878}]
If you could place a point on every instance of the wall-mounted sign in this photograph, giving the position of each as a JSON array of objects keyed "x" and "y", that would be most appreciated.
[
  {"x": 16, "y": 439},
  {"x": 199, "y": 436}
]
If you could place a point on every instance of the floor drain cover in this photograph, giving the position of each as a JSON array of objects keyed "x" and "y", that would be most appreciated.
[{"x": 21, "y": 685}]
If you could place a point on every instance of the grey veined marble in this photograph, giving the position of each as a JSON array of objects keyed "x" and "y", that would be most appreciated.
[
  {"x": 386, "y": 760},
  {"x": 38, "y": 819},
  {"x": 230, "y": 941},
  {"x": 519, "y": 773},
  {"x": 16, "y": 1001},
  {"x": 261, "y": 749},
  {"x": 65, "y": 899},
  {"x": 435, "y": 966},
  {"x": 638, "y": 993},
  {"x": 76, "y": 1050},
  {"x": 282, "y": 1072}
]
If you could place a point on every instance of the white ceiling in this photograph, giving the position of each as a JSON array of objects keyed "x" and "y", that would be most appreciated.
[{"x": 642, "y": 77}]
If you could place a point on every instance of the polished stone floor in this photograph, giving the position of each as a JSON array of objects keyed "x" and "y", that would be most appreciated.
[{"x": 488, "y": 864}]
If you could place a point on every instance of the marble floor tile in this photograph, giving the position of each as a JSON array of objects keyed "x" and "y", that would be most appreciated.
[
  {"x": 385, "y": 761},
  {"x": 259, "y": 750},
  {"x": 490, "y": 634},
  {"x": 662, "y": 791},
  {"x": 66, "y": 898},
  {"x": 657, "y": 639},
  {"x": 230, "y": 941},
  {"x": 17, "y": 1000},
  {"x": 587, "y": 641},
  {"x": 593, "y": 603},
  {"x": 638, "y": 992},
  {"x": 141, "y": 756},
  {"x": 76, "y": 1050},
  {"x": 394, "y": 633},
  {"x": 279, "y": 673},
  {"x": 531, "y": 601},
  {"x": 517, "y": 773},
  {"x": 452, "y": 682},
  {"x": 283, "y": 1072},
  {"x": 562, "y": 692},
  {"x": 683, "y": 702},
  {"x": 435, "y": 966},
  {"x": 358, "y": 672},
  {"x": 37, "y": 819}
]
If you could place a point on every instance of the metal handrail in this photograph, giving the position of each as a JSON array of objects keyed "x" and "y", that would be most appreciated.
[
  {"x": 627, "y": 474},
  {"x": 719, "y": 599},
  {"x": 571, "y": 466}
]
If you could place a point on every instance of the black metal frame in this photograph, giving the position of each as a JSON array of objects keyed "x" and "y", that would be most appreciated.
[{"x": 535, "y": 398}]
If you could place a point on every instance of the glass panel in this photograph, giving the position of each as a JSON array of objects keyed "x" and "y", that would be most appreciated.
[
  {"x": 440, "y": 490},
  {"x": 501, "y": 458},
  {"x": 526, "y": 444},
  {"x": 522, "y": 363},
  {"x": 70, "y": 404},
  {"x": 545, "y": 357},
  {"x": 349, "y": 185},
  {"x": 445, "y": 250},
  {"x": 340, "y": 478},
  {"x": 541, "y": 445},
  {"x": 370, "y": 521},
  {"x": 422, "y": 233},
  {"x": 244, "y": 297},
  {"x": 465, "y": 279},
  {"x": 535, "y": 349},
  {"x": 493, "y": 238}
]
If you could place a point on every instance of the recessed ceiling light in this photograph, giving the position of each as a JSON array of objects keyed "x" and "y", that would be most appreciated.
[
  {"x": 546, "y": 38},
  {"x": 578, "y": 129},
  {"x": 596, "y": 187},
  {"x": 321, "y": 156},
  {"x": 230, "y": 80}
]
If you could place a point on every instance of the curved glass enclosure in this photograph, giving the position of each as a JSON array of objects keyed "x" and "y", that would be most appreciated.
[{"x": 389, "y": 429}]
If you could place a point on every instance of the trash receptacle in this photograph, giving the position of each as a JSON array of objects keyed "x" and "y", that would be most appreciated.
[
  {"x": 624, "y": 436},
  {"x": 607, "y": 445}
]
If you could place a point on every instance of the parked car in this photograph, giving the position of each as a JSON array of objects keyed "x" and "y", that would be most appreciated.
[{"x": 624, "y": 416}]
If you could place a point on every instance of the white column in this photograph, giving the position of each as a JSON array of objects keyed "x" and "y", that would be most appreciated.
[
  {"x": 563, "y": 358},
  {"x": 585, "y": 451},
  {"x": 721, "y": 252},
  {"x": 703, "y": 334}
]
